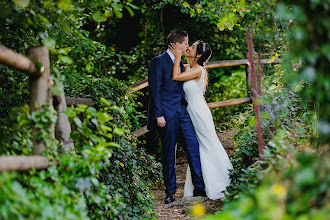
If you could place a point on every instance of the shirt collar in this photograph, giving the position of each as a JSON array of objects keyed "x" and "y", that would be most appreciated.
[{"x": 170, "y": 54}]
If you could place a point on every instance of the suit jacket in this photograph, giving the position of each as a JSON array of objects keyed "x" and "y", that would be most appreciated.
[{"x": 165, "y": 95}]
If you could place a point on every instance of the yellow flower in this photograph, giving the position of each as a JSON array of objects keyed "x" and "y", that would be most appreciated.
[
  {"x": 278, "y": 190},
  {"x": 198, "y": 210}
]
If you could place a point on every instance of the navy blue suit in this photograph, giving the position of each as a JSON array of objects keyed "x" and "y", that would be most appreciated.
[{"x": 165, "y": 100}]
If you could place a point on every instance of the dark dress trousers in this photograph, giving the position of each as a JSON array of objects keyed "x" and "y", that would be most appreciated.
[{"x": 165, "y": 99}]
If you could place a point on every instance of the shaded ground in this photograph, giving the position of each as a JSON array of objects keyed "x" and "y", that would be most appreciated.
[{"x": 180, "y": 209}]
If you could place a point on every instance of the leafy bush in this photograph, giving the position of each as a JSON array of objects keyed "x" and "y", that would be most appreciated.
[
  {"x": 294, "y": 186},
  {"x": 125, "y": 173},
  {"x": 282, "y": 113},
  {"x": 95, "y": 181}
]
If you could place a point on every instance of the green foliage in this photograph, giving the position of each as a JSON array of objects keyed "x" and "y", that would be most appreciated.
[
  {"x": 309, "y": 52},
  {"x": 246, "y": 165},
  {"x": 225, "y": 14},
  {"x": 124, "y": 172},
  {"x": 293, "y": 187},
  {"x": 36, "y": 195},
  {"x": 277, "y": 184},
  {"x": 95, "y": 181},
  {"x": 291, "y": 182},
  {"x": 282, "y": 113},
  {"x": 14, "y": 132}
]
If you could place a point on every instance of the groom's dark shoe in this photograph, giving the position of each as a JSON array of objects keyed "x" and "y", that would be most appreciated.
[
  {"x": 169, "y": 199},
  {"x": 199, "y": 192}
]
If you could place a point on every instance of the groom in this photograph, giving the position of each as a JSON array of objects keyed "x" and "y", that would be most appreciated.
[{"x": 167, "y": 112}]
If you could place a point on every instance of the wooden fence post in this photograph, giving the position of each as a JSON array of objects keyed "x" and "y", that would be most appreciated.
[
  {"x": 40, "y": 92},
  {"x": 259, "y": 73},
  {"x": 248, "y": 79},
  {"x": 63, "y": 127},
  {"x": 255, "y": 94}
]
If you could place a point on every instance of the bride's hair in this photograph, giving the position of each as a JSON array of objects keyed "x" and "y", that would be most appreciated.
[{"x": 205, "y": 51}]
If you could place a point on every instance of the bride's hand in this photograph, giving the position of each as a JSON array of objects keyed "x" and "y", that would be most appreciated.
[{"x": 176, "y": 51}]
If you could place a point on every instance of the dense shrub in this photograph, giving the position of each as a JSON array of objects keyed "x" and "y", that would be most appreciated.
[
  {"x": 294, "y": 186},
  {"x": 94, "y": 182}
]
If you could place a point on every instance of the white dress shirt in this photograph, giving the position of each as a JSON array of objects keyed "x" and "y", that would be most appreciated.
[{"x": 171, "y": 55}]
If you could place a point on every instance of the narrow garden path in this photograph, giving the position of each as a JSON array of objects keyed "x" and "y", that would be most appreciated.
[{"x": 180, "y": 209}]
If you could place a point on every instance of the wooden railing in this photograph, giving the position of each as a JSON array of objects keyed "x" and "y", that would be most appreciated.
[
  {"x": 216, "y": 64},
  {"x": 40, "y": 94}
]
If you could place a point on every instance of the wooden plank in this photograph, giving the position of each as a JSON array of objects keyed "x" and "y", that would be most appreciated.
[
  {"x": 18, "y": 61},
  {"x": 40, "y": 93},
  {"x": 226, "y": 63},
  {"x": 141, "y": 131},
  {"x": 22, "y": 163},
  {"x": 215, "y": 64},
  {"x": 144, "y": 130},
  {"x": 75, "y": 101},
  {"x": 138, "y": 86},
  {"x": 228, "y": 102}
]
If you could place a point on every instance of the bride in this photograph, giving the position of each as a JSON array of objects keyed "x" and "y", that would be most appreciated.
[{"x": 214, "y": 159}]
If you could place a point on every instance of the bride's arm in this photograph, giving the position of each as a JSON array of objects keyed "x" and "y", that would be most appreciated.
[{"x": 185, "y": 76}]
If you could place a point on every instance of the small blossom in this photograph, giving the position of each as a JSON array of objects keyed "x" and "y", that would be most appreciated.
[
  {"x": 278, "y": 190},
  {"x": 198, "y": 210}
]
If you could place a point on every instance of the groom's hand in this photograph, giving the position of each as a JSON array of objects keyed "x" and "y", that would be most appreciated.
[{"x": 161, "y": 122}]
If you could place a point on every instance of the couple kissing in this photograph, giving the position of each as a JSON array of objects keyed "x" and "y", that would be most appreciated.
[{"x": 177, "y": 104}]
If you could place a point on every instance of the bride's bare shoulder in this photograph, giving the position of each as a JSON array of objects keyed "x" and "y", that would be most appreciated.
[{"x": 185, "y": 66}]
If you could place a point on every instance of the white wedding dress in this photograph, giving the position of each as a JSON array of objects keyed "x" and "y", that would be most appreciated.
[{"x": 214, "y": 159}]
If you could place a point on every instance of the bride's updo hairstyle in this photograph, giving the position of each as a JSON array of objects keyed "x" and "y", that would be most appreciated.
[{"x": 205, "y": 51}]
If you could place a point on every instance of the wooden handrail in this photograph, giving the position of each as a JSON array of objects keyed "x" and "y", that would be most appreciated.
[
  {"x": 214, "y": 64},
  {"x": 211, "y": 105},
  {"x": 226, "y": 63},
  {"x": 141, "y": 131},
  {"x": 22, "y": 163},
  {"x": 75, "y": 101},
  {"x": 138, "y": 86},
  {"x": 229, "y": 102},
  {"x": 15, "y": 60}
]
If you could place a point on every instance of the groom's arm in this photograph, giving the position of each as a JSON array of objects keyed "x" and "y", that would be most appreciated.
[{"x": 155, "y": 79}]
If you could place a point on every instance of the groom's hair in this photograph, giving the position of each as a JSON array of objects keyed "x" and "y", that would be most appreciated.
[{"x": 176, "y": 36}]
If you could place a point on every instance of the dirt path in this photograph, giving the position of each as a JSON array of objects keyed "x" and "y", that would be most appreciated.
[{"x": 180, "y": 209}]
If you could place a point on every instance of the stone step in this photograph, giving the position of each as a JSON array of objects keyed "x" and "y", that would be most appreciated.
[{"x": 185, "y": 201}]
